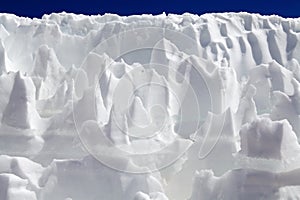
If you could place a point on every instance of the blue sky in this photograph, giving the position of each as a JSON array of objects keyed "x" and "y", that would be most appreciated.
[{"x": 36, "y": 8}]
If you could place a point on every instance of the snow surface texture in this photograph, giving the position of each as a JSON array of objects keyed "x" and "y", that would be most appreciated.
[{"x": 149, "y": 107}]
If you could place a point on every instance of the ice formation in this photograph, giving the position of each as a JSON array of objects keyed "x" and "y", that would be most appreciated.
[{"x": 149, "y": 107}]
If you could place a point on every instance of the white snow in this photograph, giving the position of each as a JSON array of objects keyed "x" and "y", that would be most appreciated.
[{"x": 149, "y": 107}]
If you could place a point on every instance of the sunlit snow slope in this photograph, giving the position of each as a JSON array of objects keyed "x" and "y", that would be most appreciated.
[{"x": 150, "y": 107}]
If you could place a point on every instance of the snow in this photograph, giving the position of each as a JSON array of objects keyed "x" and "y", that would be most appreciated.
[{"x": 149, "y": 107}]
